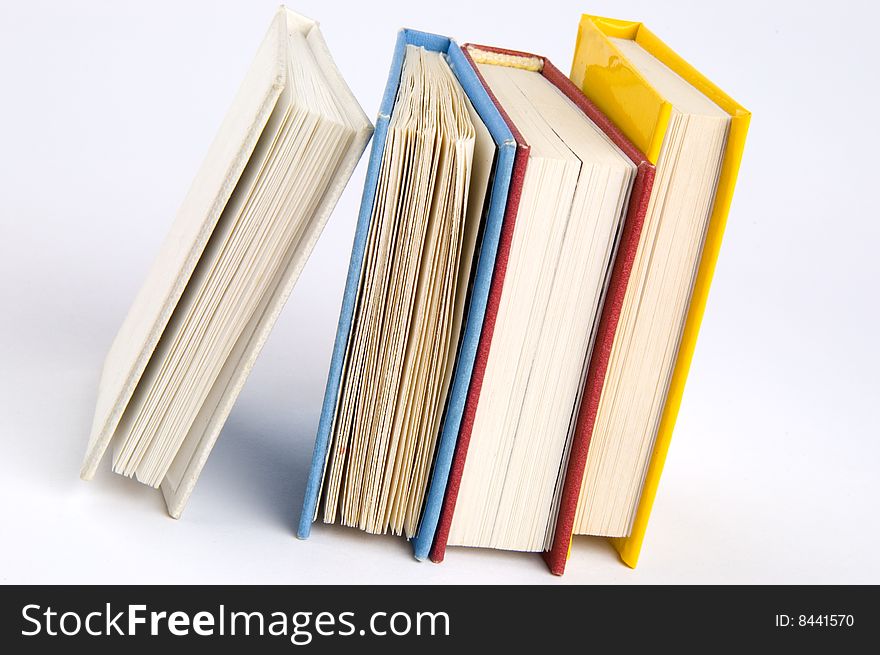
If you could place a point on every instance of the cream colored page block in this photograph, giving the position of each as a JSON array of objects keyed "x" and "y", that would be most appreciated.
[
  {"x": 542, "y": 210},
  {"x": 655, "y": 304},
  {"x": 532, "y": 478},
  {"x": 131, "y": 442},
  {"x": 530, "y": 268},
  {"x": 483, "y": 159},
  {"x": 362, "y": 379},
  {"x": 395, "y": 373},
  {"x": 303, "y": 191},
  {"x": 422, "y": 389},
  {"x": 574, "y": 196}
]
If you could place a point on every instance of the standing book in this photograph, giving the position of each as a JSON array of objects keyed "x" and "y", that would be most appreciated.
[
  {"x": 694, "y": 133},
  {"x": 412, "y": 313},
  {"x": 273, "y": 174},
  {"x": 543, "y": 316}
]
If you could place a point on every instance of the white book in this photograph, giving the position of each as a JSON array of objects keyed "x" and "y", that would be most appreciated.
[{"x": 283, "y": 155}]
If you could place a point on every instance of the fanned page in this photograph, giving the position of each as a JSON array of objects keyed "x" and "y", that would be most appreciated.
[
  {"x": 574, "y": 195},
  {"x": 400, "y": 353},
  {"x": 655, "y": 305},
  {"x": 311, "y": 139}
]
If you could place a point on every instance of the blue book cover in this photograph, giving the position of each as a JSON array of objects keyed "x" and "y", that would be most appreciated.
[{"x": 478, "y": 296}]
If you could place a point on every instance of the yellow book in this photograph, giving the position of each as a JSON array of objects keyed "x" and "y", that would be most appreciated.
[{"x": 604, "y": 69}]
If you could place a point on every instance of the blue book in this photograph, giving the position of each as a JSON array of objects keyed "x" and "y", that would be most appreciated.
[{"x": 481, "y": 278}]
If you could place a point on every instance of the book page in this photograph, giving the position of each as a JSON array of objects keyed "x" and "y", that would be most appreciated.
[{"x": 416, "y": 268}]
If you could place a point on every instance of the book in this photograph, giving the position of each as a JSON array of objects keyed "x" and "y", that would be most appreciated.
[
  {"x": 379, "y": 475},
  {"x": 509, "y": 464},
  {"x": 694, "y": 133},
  {"x": 275, "y": 170}
]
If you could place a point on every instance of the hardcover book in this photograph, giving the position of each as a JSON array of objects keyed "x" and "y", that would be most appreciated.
[
  {"x": 424, "y": 253},
  {"x": 544, "y": 313},
  {"x": 694, "y": 133},
  {"x": 274, "y": 172}
]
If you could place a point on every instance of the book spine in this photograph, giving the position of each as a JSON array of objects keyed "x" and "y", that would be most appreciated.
[{"x": 586, "y": 419}]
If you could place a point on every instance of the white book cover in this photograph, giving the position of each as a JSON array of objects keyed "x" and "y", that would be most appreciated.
[{"x": 227, "y": 158}]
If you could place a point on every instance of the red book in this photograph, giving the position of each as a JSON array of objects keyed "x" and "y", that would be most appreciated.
[{"x": 629, "y": 239}]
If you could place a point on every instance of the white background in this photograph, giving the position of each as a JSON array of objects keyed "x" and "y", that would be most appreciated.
[{"x": 107, "y": 110}]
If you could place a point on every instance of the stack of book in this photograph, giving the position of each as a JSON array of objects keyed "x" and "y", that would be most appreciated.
[{"x": 530, "y": 267}]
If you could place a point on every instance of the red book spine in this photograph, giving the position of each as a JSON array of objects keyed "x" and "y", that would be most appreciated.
[
  {"x": 586, "y": 419},
  {"x": 626, "y": 252}
]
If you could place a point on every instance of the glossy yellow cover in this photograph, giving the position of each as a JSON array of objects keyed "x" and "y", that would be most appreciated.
[{"x": 610, "y": 81}]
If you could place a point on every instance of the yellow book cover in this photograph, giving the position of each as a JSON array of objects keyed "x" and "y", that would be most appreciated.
[{"x": 613, "y": 83}]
